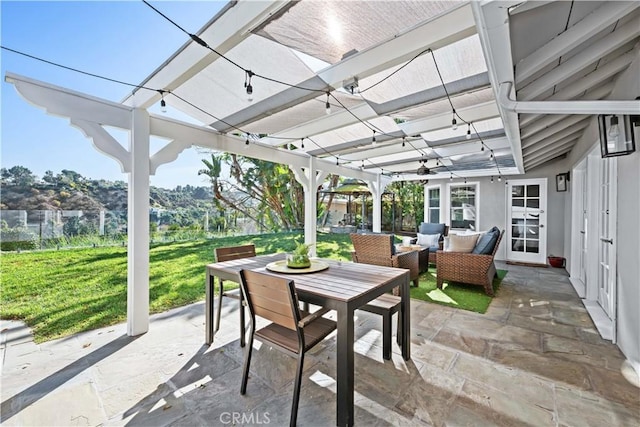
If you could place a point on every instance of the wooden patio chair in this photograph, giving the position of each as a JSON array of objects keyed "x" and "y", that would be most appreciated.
[
  {"x": 228, "y": 254},
  {"x": 293, "y": 331},
  {"x": 474, "y": 269}
]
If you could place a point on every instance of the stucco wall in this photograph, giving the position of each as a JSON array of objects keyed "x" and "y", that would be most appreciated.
[{"x": 493, "y": 208}]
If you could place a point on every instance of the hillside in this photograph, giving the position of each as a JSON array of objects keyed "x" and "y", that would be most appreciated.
[{"x": 71, "y": 191}]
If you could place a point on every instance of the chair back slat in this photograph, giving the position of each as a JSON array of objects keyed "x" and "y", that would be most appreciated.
[
  {"x": 234, "y": 252},
  {"x": 272, "y": 298}
]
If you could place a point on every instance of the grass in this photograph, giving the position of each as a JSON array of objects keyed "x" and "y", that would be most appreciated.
[
  {"x": 59, "y": 293},
  {"x": 458, "y": 295}
]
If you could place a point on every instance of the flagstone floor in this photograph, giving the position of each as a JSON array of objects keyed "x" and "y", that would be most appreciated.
[{"x": 534, "y": 359}]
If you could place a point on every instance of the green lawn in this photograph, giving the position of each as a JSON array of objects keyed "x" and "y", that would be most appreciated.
[{"x": 58, "y": 293}]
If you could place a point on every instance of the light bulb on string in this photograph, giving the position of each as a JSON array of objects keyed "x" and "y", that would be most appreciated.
[
  {"x": 302, "y": 143},
  {"x": 468, "y": 130},
  {"x": 481, "y": 146},
  {"x": 404, "y": 140},
  {"x": 246, "y": 142},
  {"x": 492, "y": 179},
  {"x": 499, "y": 178},
  {"x": 362, "y": 165},
  {"x": 163, "y": 103},
  {"x": 451, "y": 178},
  {"x": 327, "y": 106},
  {"x": 247, "y": 84},
  {"x": 337, "y": 161},
  {"x": 373, "y": 139},
  {"x": 491, "y": 155},
  {"x": 454, "y": 124}
]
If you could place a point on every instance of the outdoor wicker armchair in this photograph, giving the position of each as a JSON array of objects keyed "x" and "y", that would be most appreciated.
[
  {"x": 474, "y": 269},
  {"x": 379, "y": 249}
]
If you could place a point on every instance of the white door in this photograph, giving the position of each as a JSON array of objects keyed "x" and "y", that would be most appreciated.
[
  {"x": 606, "y": 231},
  {"x": 527, "y": 234},
  {"x": 584, "y": 229}
]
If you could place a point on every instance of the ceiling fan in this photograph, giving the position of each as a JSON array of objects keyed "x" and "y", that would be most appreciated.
[{"x": 424, "y": 170}]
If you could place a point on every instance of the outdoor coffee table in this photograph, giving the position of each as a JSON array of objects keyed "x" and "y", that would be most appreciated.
[
  {"x": 423, "y": 255},
  {"x": 343, "y": 287}
]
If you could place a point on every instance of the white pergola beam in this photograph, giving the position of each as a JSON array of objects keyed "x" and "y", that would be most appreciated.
[
  {"x": 530, "y": 153},
  {"x": 589, "y": 26},
  {"x": 559, "y": 130},
  {"x": 226, "y": 30},
  {"x": 435, "y": 33},
  {"x": 484, "y": 111},
  {"x": 492, "y": 23},
  {"x": 581, "y": 60},
  {"x": 324, "y": 124},
  {"x": 541, "y": 161}
]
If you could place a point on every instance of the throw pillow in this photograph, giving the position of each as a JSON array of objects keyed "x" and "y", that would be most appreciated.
[
  {"x": 428, "y": 240},
  {"x": 463, "y": 243},
  {"x": 429, "y": 228},
  {"x": 487, "y": 242}
]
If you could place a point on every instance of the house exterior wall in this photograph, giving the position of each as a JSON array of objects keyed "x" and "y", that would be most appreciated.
[
  {"x": 628, "y": 223},
  {"x": 492, "y": 208}
]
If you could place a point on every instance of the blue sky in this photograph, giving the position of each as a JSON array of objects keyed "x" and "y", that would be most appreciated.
[{"x": 123, "y": 40}]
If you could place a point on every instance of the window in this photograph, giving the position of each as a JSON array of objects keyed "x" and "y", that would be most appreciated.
[
  {"x": 433, "y": 205},
  {"x": 463, "y": 201}
]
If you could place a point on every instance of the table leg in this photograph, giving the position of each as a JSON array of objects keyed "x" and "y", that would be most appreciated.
[
  {"x": 406, "y": 319},
  {"x": 345, "y": 367},
  {"x": 209, "y": 307}
]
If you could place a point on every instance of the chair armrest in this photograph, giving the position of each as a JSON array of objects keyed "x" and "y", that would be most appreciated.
[
  {"x": 409, "y": 260},
  {"x": 312, "y": 317}
]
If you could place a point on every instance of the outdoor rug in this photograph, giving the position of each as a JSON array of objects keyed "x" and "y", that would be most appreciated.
[{"x": 458, "y": 295}]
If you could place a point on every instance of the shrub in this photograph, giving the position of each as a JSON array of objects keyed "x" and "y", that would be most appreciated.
[{"x": 17, "y": 238}]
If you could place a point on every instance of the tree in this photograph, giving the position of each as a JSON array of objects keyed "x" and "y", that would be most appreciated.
[
  {"x": 18, "y": 175},
  {"x": 263, "y": 191}
]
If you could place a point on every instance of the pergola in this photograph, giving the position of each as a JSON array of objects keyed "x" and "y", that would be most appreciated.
[{"x": 396, "y": 76}]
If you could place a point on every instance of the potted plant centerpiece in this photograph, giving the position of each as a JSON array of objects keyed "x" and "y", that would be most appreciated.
[{"x": 299, "y": 258}]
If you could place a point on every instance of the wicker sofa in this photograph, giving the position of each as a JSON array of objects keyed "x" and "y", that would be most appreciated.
[
  {"x": 378, "y": 249},
  {"x": 474, "y": 269}
]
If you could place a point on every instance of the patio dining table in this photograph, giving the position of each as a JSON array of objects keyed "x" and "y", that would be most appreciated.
[{"x": 343, "y": 287}]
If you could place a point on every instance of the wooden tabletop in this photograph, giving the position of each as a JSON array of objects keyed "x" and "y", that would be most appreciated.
[{"x": 342, "y": 281}]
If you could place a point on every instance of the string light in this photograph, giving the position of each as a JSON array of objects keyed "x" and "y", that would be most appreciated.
[
  {"x": 373, "y": 140},
  {"x": 404, "y": 141},
  {"x": 492, "y": 179},
  {"x": 481, "y": 146},
  {"x": 465, "y": 179},
  {"x": 247, "y": 84},
  {"x": 246, "y": 142},
  {"x": 337, "y": 161},
  {"x": 491, "y": 155},
  {"x": 499, "y": 178},
  {"x": 468, "y": 130},
  {"x": 163, "y": 103},
  {"x": 327, "y": 106},
  {"x": 362, "y": 165},
  {"x": 451, "y": 178},
  {"x": 454, "y": 122}
]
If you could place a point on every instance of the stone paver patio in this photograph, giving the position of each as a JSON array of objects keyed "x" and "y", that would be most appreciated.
[{"x": 534, "y": 359}]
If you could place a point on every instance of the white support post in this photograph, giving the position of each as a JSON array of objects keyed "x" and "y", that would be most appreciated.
[
  {"x": 310, "y": 178},
  {"x": 377, "y": 188},
  {"x": 138, "y": 226}
]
